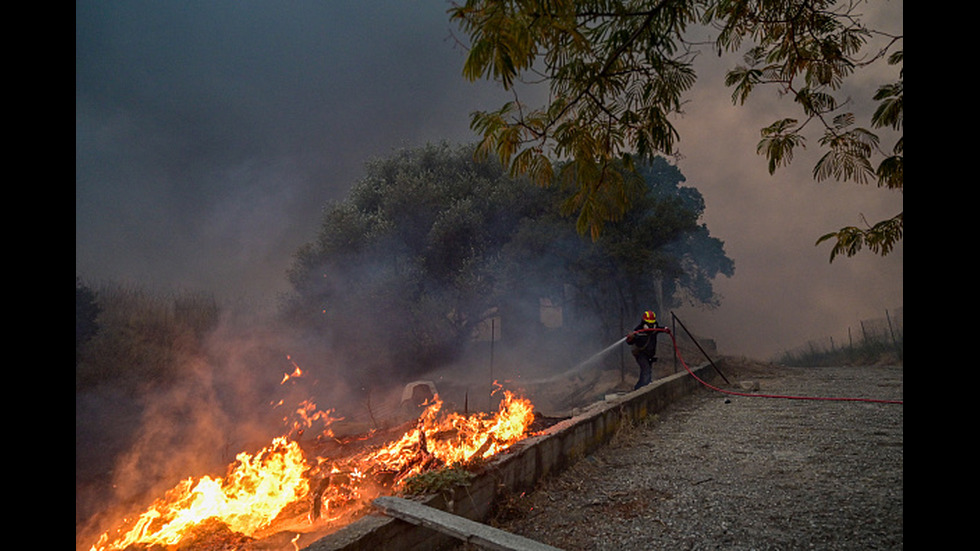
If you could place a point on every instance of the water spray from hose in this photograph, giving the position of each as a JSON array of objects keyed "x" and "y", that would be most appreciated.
[{"x": 581, "y": 365}]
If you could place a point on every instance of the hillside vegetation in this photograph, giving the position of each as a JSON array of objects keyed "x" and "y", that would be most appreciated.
[
  {"x": 872, "y": 342},
  {"x": 134, "y": 338}
]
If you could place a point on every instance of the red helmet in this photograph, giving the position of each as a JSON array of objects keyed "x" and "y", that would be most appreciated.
[{"x": 649, "y": 317}]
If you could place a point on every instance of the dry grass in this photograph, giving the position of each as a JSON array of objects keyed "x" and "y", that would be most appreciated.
[{"x": 143, "y": 338}]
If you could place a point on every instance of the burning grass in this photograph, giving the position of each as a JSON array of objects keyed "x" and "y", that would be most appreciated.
[{"x": 292, "y": 489}]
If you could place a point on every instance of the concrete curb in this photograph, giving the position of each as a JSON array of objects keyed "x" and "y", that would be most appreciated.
[{"x": 532, "y": 459}]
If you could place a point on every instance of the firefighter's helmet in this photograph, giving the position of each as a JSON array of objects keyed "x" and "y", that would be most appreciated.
[{"x": 649, "y": 317}]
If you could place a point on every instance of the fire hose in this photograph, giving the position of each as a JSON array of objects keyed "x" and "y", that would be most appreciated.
[{"x": 677, "y": 353}]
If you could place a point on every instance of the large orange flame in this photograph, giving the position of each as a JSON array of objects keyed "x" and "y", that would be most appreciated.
[
  {"x": 256, "y": 489},
  {"x": 259, "y": 488},
  {"x": 458, "y": 439}
]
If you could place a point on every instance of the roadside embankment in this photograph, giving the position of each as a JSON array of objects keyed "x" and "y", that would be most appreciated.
[
  {"x": 715, "y": 471},
  {"x": 520, "y": 469}
]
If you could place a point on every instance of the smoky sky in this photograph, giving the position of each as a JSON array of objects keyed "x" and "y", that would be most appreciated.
[{"x": 211, "y": 134}]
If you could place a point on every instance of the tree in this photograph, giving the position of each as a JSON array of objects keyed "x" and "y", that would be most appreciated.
[
  {"x": 430, "y": 243},
  {"x": 617, "y": 70},
  {"x": 655, "y": 256},
  {"x": 86, "y": 314},
  {"x": 404, "y": 268}
]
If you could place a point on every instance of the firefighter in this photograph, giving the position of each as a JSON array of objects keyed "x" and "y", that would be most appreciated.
[{"x": 644, "y": 347}]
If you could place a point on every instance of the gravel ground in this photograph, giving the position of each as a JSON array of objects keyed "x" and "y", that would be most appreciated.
[{"x": 730, "y": 472}]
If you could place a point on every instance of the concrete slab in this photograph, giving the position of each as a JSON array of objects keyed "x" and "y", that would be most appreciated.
[{"x": 464, "y": 529}]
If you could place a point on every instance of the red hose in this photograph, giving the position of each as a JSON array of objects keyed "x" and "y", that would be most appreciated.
[{"x": 748, "y": 395}]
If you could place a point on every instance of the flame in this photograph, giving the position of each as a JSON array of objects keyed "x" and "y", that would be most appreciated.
[
  {"x": 458, "y": 439},
  {"x": 259, "y": 488},
  {"x": 256, "y": 489},
  {"x": 297, "y": 372},
  {"x": 306, "y": 415}
]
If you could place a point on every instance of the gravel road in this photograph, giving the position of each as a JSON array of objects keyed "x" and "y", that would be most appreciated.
[{"x": 714, "y": 471}]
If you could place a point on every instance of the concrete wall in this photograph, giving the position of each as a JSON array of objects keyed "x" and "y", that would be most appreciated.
[{"x": 517, "y": 470}]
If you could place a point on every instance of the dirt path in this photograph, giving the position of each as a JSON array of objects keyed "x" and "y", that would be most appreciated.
[{"x": 716, "y": 471}]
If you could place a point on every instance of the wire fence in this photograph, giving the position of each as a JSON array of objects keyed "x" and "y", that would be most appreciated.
[{"x": 870, "y": 341}]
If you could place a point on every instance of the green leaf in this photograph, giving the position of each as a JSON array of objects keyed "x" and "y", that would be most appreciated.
[{"x": 778, "y": 142}]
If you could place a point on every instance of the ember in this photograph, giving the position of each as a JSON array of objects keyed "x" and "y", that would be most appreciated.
[{"x": 286, "y": 488}]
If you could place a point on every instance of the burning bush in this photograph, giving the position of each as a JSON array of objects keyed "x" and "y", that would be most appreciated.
[{"x": 288, "y": 487}]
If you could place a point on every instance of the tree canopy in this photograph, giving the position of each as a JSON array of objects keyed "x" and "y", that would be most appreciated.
[
  {"x": 616, "y": 71},
  {"x": 403, "y": 267},
  {"x": 656, "y": 256},
  {"x": 430, "y": 243}
]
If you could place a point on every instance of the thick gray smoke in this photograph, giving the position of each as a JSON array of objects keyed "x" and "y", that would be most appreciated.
[
  {"x": 209, "y": 135},
  {"x": 133, "y": 442}
]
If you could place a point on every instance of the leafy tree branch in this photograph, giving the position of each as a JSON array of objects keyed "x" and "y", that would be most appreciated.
[{"x": 616, "y": 71}]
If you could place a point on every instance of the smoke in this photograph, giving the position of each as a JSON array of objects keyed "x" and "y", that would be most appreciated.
[
  {"x": 228, "y": 395},
  {"x": 210, "y": 136},
  {"x": 208, "y": 139},
  {"x": 244, "y": 386},
  {"x": 785, "y": 291},
  {"x": 248, "y": 378}
]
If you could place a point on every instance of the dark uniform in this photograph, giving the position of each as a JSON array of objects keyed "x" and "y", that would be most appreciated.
[{"x": 644, "y": 347}]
